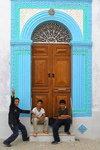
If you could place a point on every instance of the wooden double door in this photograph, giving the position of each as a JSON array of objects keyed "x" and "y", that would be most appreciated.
[{"x": 51, "y": 76}]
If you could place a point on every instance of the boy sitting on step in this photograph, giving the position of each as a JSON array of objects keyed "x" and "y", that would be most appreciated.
[
  {"x": 63, "y": 119},
  {"x": 39, "y": 117}
]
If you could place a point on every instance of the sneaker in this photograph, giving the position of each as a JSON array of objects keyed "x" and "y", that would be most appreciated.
[
  {"x": 68, "y": 133},
  {"x": 7, "y": 144},
  {"x": 55, "y": 142},
  {"x": 27, "y": 139}
]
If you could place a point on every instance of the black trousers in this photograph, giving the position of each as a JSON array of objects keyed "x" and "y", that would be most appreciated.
[
  {"x": 58, "y": 124},
  {"x": 15, "y": 129}
]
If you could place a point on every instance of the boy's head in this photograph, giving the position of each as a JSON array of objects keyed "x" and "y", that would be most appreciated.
[
  {"x": 16, "y": 102},
  {"x": 62, "y": 104},
  {"x": 39, "y": 103}
]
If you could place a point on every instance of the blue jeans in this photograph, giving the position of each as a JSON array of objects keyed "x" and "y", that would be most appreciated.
[
  {"x": 15, "y": 129},
  {"x": 58, "y": 124}
]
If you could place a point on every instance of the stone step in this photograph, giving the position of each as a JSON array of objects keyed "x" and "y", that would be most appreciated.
[
  {"x": 42, "y": 137},
  {"x": 40, "y": 128}
]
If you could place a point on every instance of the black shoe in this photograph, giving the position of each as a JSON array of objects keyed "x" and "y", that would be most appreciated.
[
  {"x": 27, "y": 139},
  {"x": 7, "y": 144},
  {"x": 68, "y": 133},
  {"x": 55, "y": 142}
]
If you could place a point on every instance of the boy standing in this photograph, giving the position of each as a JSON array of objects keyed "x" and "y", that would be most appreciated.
[
  {"x": 39, "y": 117},
  {"x": 14, "y": 122},
  {"x": 63, "y": 119}
]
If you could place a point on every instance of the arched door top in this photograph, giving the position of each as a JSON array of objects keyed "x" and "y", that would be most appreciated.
[
  {"x": 51, "y": 32},
  {"x": 59, "y": 17}
]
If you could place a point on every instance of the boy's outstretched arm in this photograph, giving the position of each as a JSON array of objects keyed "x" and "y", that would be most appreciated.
[
  {"x": 25, "y": 111},
  {"x": 12, "y": 97}
]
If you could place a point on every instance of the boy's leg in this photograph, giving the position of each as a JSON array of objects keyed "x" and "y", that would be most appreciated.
[
  {"x": 67, "y": 123},
  {"x": 35, "y": 121},
  {"x": 14, "y": 128},
  {"x": 23, "y": 130},
  {"x": 55, "y": 128},
  {"x": 45, "y": 128}
]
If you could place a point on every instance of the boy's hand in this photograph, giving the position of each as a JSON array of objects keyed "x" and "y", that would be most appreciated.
[
  {"x": 13, "y": 92},
  {"x": 31, "y": 111},
  {"x": 69, "y": 116},
  {"x": 65, "y": 116},
  {"x": 41, "y": 118}
]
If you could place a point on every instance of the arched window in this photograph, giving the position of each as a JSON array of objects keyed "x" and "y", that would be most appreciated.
[{"x": 51, "y": 32}]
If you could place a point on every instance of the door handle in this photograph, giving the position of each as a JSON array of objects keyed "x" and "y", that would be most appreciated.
[
  {"x": 49, "y": 75},
  {"x": 61, "y": 89},
  {"x": 53, "y": 75}
]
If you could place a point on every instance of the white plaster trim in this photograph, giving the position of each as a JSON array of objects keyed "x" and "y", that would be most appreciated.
[{"x": 76, "y": 14}]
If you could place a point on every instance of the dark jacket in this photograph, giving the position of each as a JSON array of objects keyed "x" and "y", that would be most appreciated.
[{"x": 14, "y": 113}]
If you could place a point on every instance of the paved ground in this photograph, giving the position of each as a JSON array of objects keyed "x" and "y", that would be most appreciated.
[{"x": 82, "y": 144}]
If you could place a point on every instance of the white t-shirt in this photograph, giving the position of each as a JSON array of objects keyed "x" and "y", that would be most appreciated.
[{"x": 38, "y": 113}]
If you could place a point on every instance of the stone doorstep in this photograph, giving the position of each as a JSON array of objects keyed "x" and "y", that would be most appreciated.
[
  {"x": 42, "y": 124},
  {"x": 40, "y": 128},
  {"x": 51, "y": 134},
  {"x": 42, "y": 137}
]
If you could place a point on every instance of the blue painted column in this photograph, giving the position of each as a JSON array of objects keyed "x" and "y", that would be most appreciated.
[
  {"x": 81, "y": 78},
  {"x": 21, "y": 72}
]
